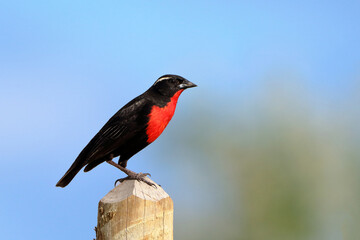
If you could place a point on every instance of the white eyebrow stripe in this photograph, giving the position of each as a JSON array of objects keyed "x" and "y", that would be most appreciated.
[{"x": 163, "y": 78}]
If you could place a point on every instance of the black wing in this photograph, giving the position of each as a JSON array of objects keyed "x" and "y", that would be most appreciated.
[{"x": 122, "y": 126}]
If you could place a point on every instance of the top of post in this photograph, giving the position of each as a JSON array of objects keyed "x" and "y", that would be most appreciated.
[{"x": 135, "y": 188}]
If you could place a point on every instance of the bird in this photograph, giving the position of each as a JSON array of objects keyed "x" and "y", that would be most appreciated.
[{"x": 136, "y": 125}]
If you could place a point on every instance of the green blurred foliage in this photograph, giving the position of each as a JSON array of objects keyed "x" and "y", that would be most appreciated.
[{"x": 279, "y": 165}]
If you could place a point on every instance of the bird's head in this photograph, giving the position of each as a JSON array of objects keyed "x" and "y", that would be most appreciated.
[{"x": 169, "y": 84}]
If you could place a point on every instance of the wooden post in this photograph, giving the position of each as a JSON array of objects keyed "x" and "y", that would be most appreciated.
[{"x": 134, "y": 210}]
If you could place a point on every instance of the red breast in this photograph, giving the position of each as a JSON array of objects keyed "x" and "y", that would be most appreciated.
[{"x": 159, "y": 117}]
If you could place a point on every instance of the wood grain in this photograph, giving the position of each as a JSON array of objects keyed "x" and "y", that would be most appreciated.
[{"x": 134, "y": 210}]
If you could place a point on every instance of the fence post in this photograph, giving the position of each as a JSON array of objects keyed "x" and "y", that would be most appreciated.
[{"x": 134, "y": 210}]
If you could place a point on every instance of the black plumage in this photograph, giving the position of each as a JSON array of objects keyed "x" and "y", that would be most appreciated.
[{"x": 125, "y": 133}]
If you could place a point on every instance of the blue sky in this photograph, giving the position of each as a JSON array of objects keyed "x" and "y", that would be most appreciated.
[{"x": 67, "y": 66}]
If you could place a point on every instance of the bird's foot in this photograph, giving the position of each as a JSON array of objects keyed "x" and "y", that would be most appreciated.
[{"x": 136, "y": 176}]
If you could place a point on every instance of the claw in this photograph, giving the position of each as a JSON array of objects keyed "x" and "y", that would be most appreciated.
[
  {"x": 120, "y": 180},
  {"x": 139, "y": 177},
  {"x": 131, "y": 175}
]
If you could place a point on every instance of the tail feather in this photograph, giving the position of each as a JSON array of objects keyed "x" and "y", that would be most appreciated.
[
  {"x": 70, "y": 174},
  {"x": 93, "y": 164}
]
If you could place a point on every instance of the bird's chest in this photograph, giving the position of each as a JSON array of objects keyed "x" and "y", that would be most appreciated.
[{"x": 159, "y": 117}]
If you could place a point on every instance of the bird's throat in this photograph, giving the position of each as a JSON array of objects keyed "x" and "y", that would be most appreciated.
[{"x": 159, "y": 117}]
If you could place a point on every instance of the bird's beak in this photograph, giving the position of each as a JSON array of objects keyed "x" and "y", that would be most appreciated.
[{"x": 187, "y": 84}]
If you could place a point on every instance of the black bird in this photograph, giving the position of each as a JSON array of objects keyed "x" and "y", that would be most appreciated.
[{"x": 131, "y": 129}]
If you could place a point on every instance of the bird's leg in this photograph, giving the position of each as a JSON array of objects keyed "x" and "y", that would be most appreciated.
[
  {"x": 131, "y": 175},
  {"x": 122, "y": 163}
]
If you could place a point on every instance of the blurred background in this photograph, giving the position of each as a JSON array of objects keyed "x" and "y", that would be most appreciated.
[{"x": 267, "y": 147}]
